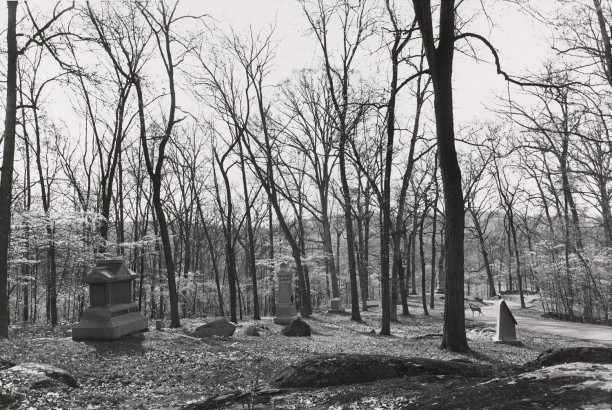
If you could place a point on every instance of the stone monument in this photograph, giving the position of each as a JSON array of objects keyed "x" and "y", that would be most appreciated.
[
  {"x": 285, "y": 308},
  {"x": 112, "y": 312},
  {"x": 506, "y": 331},
  {"x": 336, "y": 306}
]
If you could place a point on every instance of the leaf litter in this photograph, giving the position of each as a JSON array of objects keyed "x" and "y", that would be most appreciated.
[{"x": 171, "y": 369}]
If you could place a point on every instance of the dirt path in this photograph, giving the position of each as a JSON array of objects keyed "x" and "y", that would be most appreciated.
[{"x": 580, "y": 331}]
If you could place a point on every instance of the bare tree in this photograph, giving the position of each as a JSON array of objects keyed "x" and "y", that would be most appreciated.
[
  {"x": 6, "y": 183},
  {"x": 355, "y": 26},
  {"x": 310, "y": 104},
  {"x": 479, "y": 190},
  {"x": 40, "y": 37},
  {"x": 161, "y": 20}
]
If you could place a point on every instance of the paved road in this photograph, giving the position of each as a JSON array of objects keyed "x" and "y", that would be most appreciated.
[{"x": 581, "y": 331}]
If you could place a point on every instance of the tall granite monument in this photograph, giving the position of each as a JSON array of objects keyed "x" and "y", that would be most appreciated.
[
  {"x": 112, "y": 312},
  {"x": 285, "y": 308},
  {"x": 506, "y": 330}
]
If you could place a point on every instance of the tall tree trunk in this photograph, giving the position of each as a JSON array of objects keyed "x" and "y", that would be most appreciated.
[
  {"x": 363, "y": 233},
  {"x": 434, "y": 208},
  {"x": 440, "y": 61},
  {"x": 8, "y": 156},
  {"x": 45, "y": 190},
  {"x": 606, "y": 213},
  {"x": 508, "y": 240},
  {"x": 271, "y": 257},
  {"x": 52, "y": 277},
  {"x": 155, "y": 174},
  {"x": 434, "y": 232},
  {"x": 407, "y": 251},
  {"x": 412, "y": 242},
  {"x": 422, "y": 253},
  {"x": 327, "y": 239},
  {"x": 250, "y": 255},
  {"x": 227, "y": 213},
  {"x": 350, "y": 234}
]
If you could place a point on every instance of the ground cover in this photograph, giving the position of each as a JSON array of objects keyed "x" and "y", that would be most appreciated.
[{"x": 170, "y": 369}]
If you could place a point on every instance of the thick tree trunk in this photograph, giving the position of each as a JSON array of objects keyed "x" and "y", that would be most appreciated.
[
  {"x": 432, "y": 285},
  {"x": 412, "y": 242},
  {"x": 8, "y": 155},
  {"x": 440, "y": 60}
]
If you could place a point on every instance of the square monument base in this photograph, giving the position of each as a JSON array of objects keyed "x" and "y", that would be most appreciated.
[
  {"x": 285, "y": 314},
  {"x": 110, "y": 322}
]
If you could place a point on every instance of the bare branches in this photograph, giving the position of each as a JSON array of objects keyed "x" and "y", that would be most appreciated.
[
  {"x": 40, "y": 37},
  {"x": 503, "y": 73}
]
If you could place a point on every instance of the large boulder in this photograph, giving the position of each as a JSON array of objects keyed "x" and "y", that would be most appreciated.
[
  {"x": 251, "y": 331},
  {"x": 341, "y": 368},
  {"x": 40, "y": 376},
  {"x": 219, "y": 327},
  {"x": 553, "y": 357},
  {"x": 297, "y": 328}
]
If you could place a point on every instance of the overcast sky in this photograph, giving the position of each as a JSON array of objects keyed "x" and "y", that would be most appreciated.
[{"x": 521, "y": 41}]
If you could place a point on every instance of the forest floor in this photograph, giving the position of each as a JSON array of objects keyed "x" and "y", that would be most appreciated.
[{"x": 170, "y": 369}]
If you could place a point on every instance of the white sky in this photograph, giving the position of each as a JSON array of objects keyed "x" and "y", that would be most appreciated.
[
  {"x": 521, "y": 43},
  {"x": 520, "y": 40}
]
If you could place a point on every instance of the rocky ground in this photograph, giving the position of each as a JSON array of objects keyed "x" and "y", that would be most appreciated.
[{"x": 171, "y": 369}]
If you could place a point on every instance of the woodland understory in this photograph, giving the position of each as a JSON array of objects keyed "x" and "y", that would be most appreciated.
[
  {"x": 173, "y": 370},
  {"x": 163, "y": 135}
]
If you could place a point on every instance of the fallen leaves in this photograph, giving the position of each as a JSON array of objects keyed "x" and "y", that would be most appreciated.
[{"x": 170, "y": 369}]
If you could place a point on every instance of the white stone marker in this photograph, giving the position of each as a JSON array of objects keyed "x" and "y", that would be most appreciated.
[{"x": 506, "y": 331}]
